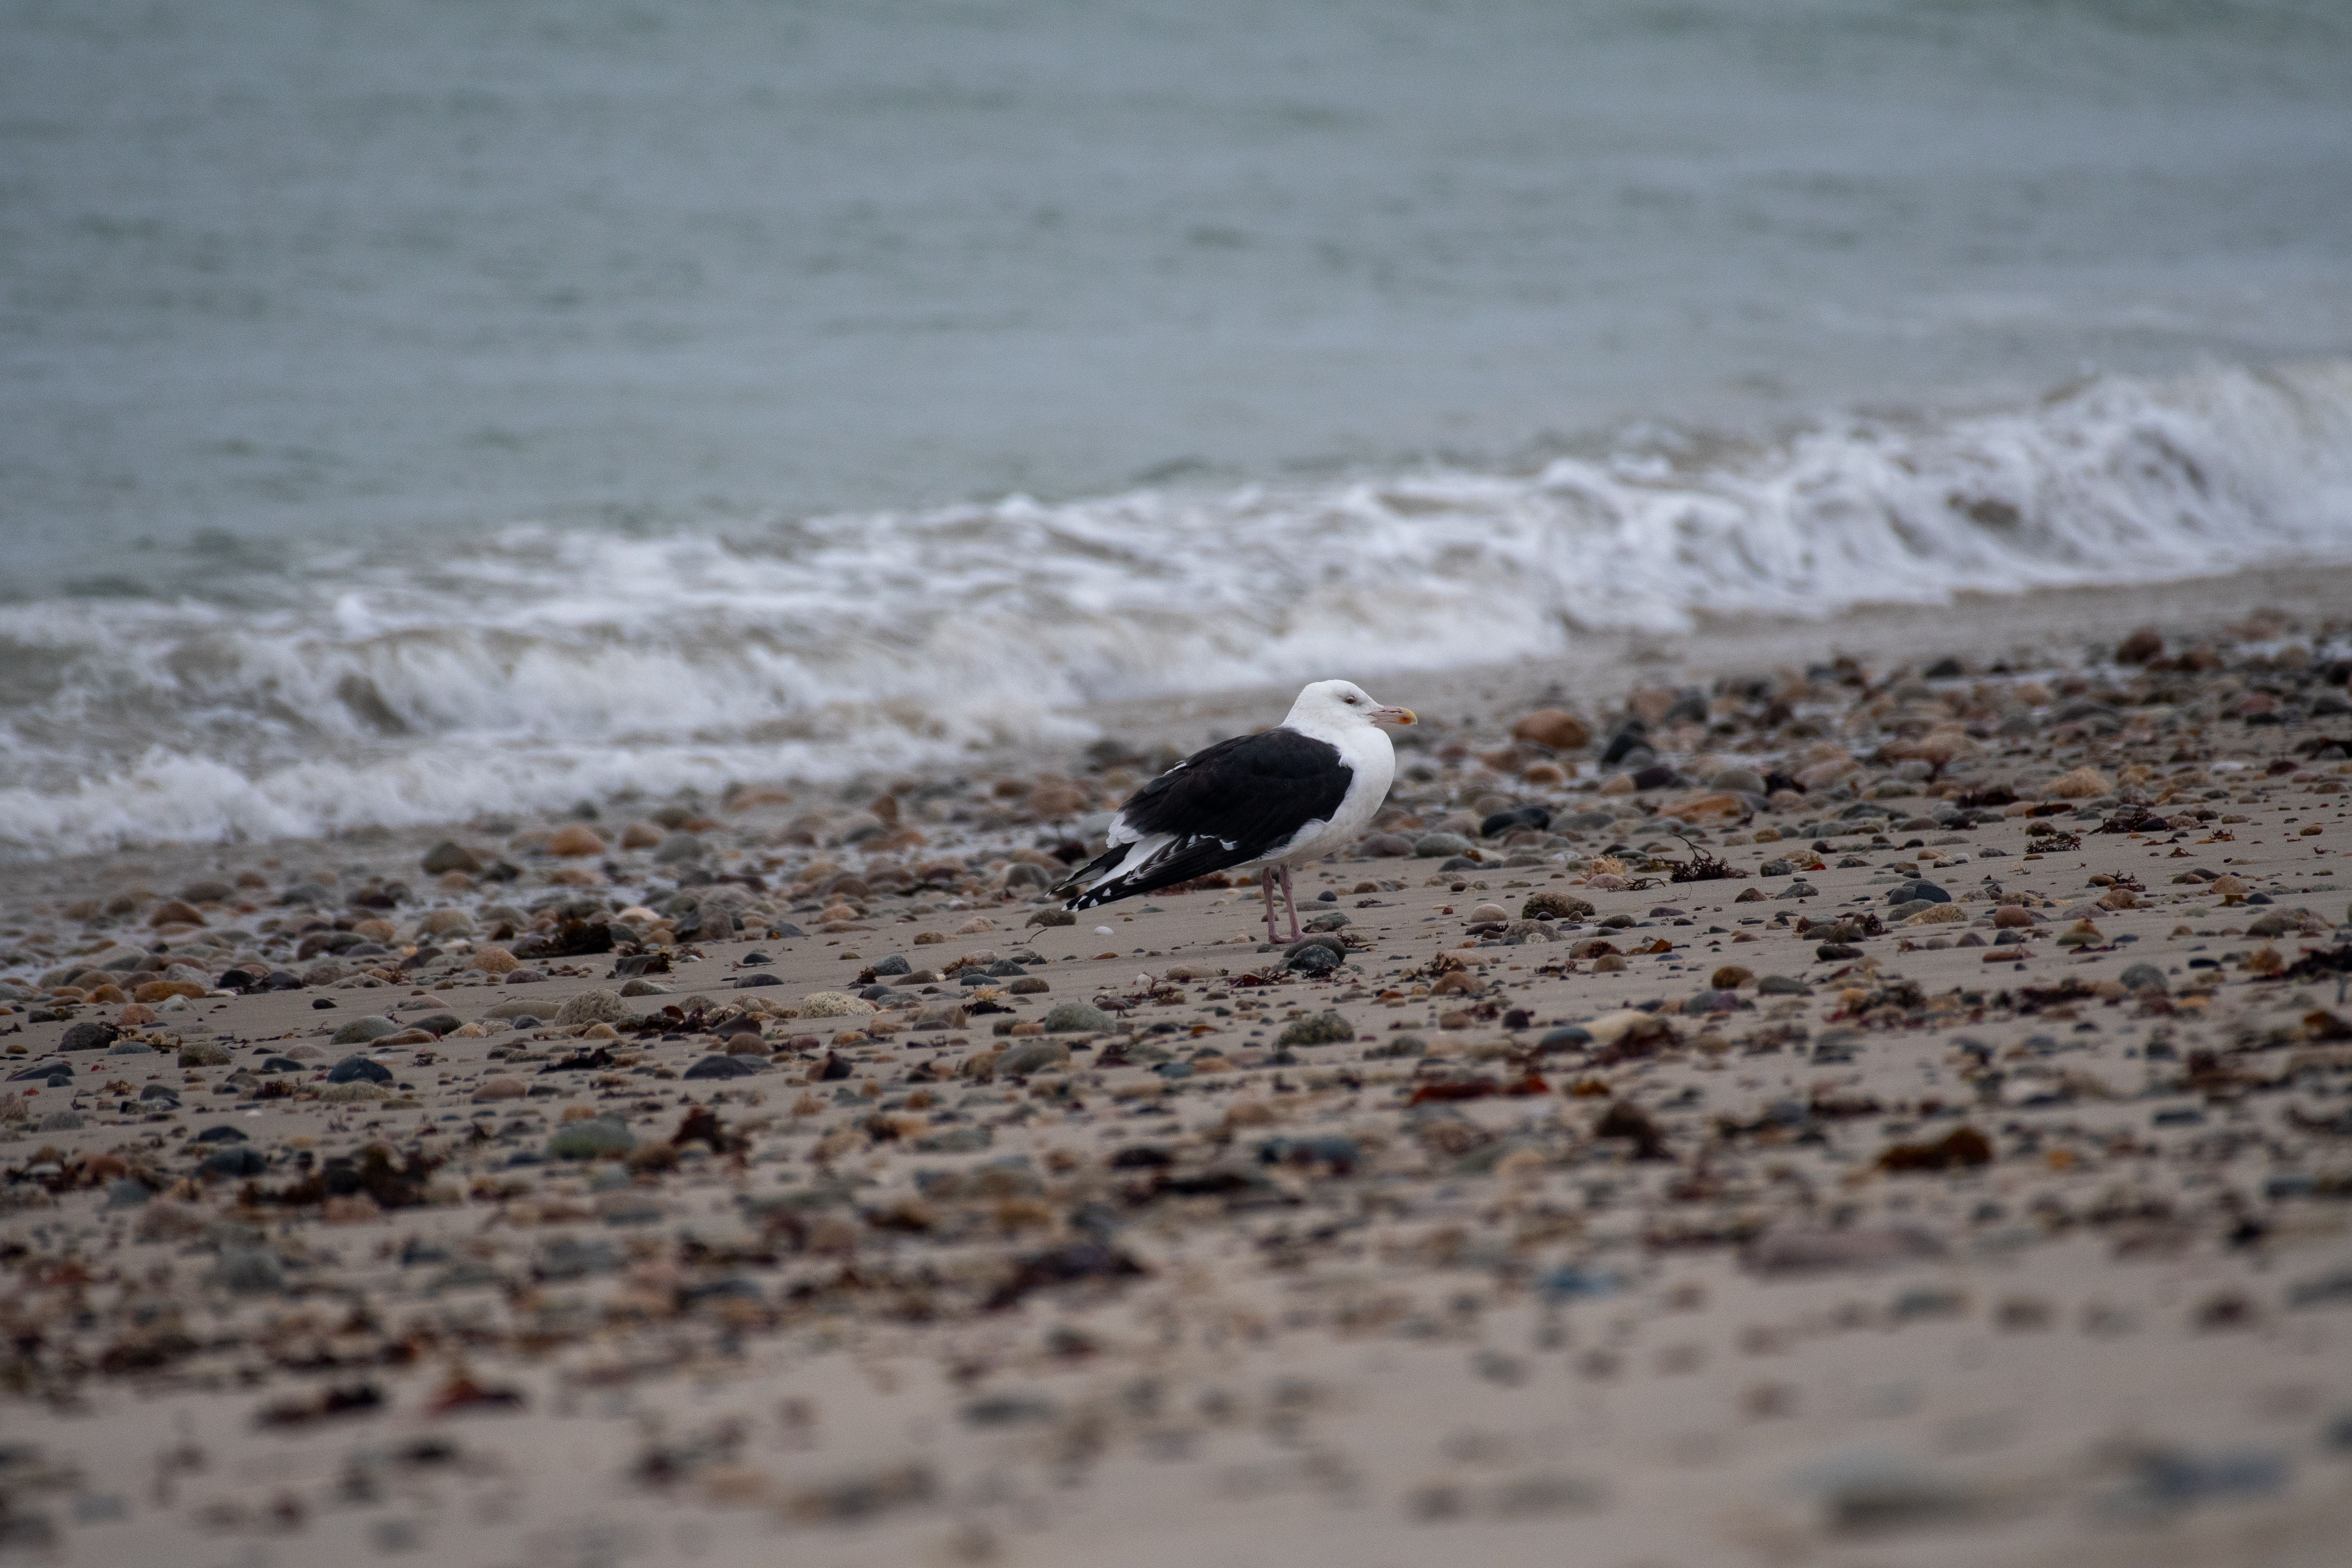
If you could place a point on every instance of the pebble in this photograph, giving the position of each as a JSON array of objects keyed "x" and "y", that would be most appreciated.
[
  {"x": 1032, "y": 1057},
  {"x": 575, "y": 840},
  {"x": 87, "y": 1037},
  {"x": 720, "y": 1065},
  {"x": 1076, "y": 1018},
  {"x": 1312, "y": 958},
  {"x": 597, "y": 1006},
  {"x": 1554, "y": 728},
  {"x": 834, "y": 1004},
  {"x": 1325, "y": 1028},
  {"x": 678, "y": 849},
  {"x": 1737, "y": 780},
  {"x": 451, "y": 855},
  {"x": 1526, "y": 817},
  {"x": 597, "y": 1136}
]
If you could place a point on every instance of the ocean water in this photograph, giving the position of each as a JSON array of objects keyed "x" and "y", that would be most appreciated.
[{"x": 411, "y": 409}]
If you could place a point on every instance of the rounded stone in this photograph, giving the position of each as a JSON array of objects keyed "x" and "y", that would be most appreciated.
[
  {"x": 1555, "y": 906},
  {"x": 1328, "y": 1027},
  {"x": 718, "y": 1064},
  {"x": 1433, "y": 846},
  {"x": 1316, "y": 955},
  {"x": 575, "y": 840},
  {"x": 678, "y": 848},
  {"x": 88, "y": 1037},
  {"x": 240, "y": 1161},
  {"x": 1555, "y": 727},
  {"x": 359, "y": 1069},
  {"x": 1076, "y": 1018},
  {"x": 360, "y": 1031},
  {"x": 1496, "y": 823},
  {"x": 834, "y": 1004},
  {"x": 597, "y": 1006},
  {"x": 1033, "y": 1056},
  {"x": 451, "y": 855},
  {"x": 1712, "y": 1001},
  {"x": 598, "y": 1136}
]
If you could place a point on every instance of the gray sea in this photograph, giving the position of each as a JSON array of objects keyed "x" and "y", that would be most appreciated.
[{"x": 411, "y": 408}]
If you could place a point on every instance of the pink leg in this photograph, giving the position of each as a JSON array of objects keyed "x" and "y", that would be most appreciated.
[
  {"x": 1289, "y": 904},
  {"x": 1266, "y": 881}
]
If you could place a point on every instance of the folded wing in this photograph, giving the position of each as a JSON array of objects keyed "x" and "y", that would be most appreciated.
[{"x": 1233, "y": 804}]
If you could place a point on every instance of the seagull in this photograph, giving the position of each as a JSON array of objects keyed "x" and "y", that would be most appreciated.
[{"x": 1275, "y": 799}]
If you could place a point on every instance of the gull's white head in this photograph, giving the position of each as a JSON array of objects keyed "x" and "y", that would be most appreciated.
[{"x": 1342, "y": 705}]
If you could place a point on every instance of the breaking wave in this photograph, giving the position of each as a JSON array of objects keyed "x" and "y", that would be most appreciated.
[{"x": 524, "y": 669}]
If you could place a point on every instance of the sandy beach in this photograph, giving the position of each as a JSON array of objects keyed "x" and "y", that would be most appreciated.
[{"x": 1844, "y": 1092}]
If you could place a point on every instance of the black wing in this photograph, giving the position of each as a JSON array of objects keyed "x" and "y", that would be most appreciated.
[{"x": 1227, "y": 804}]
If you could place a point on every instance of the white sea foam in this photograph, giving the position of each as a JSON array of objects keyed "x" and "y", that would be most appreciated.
[{"x": 537, "y": 665}]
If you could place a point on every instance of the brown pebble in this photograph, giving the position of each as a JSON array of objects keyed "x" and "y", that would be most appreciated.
[
  {"x": 1556, "y": 728},
  {"x": 576, "y": 839},
  {"x": 1956, "y": 1150}
]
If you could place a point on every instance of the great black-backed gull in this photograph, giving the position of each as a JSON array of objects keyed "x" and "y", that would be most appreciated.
[{"x": 1274, "y": 799}]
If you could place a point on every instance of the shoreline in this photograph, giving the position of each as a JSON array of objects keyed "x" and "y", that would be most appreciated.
[{"x": 2055, "y": 622}]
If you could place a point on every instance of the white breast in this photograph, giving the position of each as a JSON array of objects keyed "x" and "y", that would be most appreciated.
[{"x": 1369, "y": 755}]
